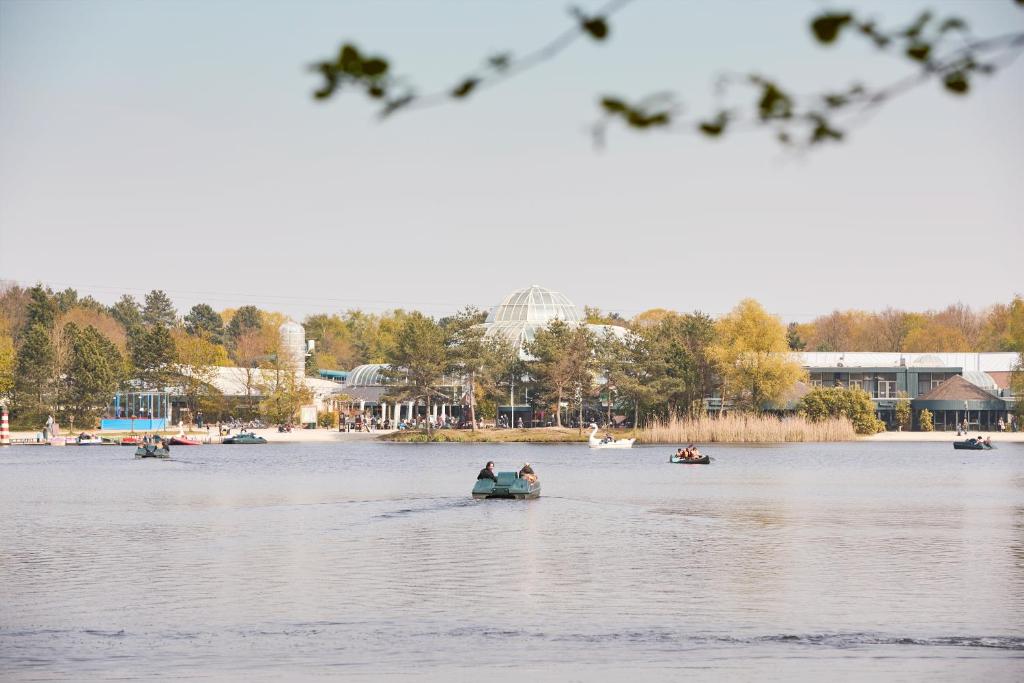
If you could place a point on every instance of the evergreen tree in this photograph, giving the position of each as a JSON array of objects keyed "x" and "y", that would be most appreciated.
[
  {"x": 793, "y": 338},
  {"x": 66, "y": 300},
  {"x": 127, "y": 312},
  {"x": 159, "y": 310},
  {"x": 153, "y": 356},
  {"x": 417, "y": 360},
  {"x": 94, "y": 371},
  {"x": 41, "y": 309},
  {"x": 561, "y": 364},
  {"x": 203, "y": 321},
  {"x": 678, "y": 365},
  {"x": 245, "y": 319},
  {"x": 8, "y": 360},
  {"x": 33, "y": 387},
  {"x": 473, "y": 356}
]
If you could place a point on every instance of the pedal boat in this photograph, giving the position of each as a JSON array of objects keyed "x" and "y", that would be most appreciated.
[
  {"x": 509, "y": 485},
  {"x": 599, "y": 443},
  {"x": 244, "y": 438},
  {"x": 702, "y": 460},
  {"x": 971, "y": 445},
  {"x": 151, "y": 451}
]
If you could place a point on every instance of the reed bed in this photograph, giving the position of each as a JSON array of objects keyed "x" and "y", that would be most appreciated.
[
  {"x": 538, "y": 435},
  {"x": 746, "y": 429}
]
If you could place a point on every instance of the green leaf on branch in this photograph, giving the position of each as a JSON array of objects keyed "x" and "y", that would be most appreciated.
[
  {"x": 349, "y": 60},
  {"x": 595, "y": 27},
  {"x": 774, "y": 103},
  {"x": 957, "y": 83},
  {"x": 330, "y": 80},
  {"x": 822, "y": 131},
  {"x": 953, "y": 24},
  {"x": 465, "y": 88},
  {"x": 375, "y": 67},
  {"x": 613, "y": 105},
  {"x": 716, "y": 126},
  {"x": 919, "y": 51},
  {"x": 500, "y": 61},
  {"x": 914, "y": 30},
  {"x": 826, "y": 27}
]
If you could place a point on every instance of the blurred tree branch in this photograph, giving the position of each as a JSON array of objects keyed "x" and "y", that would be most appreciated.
[{"x": 797, "y": 122}]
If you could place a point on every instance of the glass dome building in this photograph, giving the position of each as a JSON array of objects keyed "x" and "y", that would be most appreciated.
[{"x": 524, "y": 311}]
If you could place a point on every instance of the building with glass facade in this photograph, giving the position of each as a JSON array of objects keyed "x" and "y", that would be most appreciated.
[{"x": 953, "y": 386}]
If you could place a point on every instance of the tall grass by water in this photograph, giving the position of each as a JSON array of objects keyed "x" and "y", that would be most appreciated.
[
  {"x": 538, "y": 435},
  {"x": 746, "y": 429}
]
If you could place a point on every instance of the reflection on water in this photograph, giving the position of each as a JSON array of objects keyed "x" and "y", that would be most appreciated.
[{"x": 372, "y": 560}]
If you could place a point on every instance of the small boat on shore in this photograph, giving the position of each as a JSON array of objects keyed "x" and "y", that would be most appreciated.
[
  {"x": 84, "y": 439},
  {"x": 972, "y": 445},
  {"x": 508, "y": 485},
  {"x": 130, "y": 440},
  {"x": 702, "y": 460},
  {"x": 184, "y": 441},
  {"x": 151, "y": 451},
  {"x": 244, "y": 438}
]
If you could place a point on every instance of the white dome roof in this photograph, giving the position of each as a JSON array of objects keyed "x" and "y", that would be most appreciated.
[
  {"x": 370, "y": 375},
  {"x": 535, "y": 305},
  {"x": 525, "y": 311}
]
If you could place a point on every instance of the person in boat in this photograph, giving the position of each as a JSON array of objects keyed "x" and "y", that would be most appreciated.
[
  {"x": 527, "y": 473},
  {"x": 694, "y": 452},
  {"x": 608, "y": 438},
  {"x": 988, "y": 441},
  {"x": 487, "y": 472}
]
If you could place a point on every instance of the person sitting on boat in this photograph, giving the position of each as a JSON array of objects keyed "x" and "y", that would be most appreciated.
[
  {"x": 527, "y": 473},
  {"x": 988, "y": 441},
  {"x": 608, "y": 438},
  {"x": 487, "y": 472},
  {"x": 694, "y": 452}
]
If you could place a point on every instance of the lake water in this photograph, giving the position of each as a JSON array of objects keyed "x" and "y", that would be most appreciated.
[{"x": 370, "y": 561}]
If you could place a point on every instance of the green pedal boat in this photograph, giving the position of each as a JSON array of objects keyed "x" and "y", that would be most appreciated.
[
  {"x": 151, "y": 451},
  {"x": 244, "y": 437},
  {"x": 509, "y": 485}
]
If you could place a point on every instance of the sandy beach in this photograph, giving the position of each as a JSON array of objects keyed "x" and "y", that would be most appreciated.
[{"x": 997, "y": 437}]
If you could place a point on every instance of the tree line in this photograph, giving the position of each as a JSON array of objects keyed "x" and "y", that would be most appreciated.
[{"x": 64, "y": 354}]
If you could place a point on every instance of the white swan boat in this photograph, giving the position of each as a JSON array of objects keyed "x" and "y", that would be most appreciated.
[{"x": 600, "y": 443}]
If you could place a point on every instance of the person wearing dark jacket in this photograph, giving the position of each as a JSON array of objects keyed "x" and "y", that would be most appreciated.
[
  {"x": 487, "y": 472},
  {"x": 527, "y": 473}
]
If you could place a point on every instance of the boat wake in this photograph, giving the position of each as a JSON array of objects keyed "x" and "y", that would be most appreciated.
[
  {"x": 435, "y": 505},
  {"x": 838, "y": 640}
]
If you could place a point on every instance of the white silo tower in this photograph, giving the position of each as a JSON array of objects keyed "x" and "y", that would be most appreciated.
[{"x": 293, "y": 347}]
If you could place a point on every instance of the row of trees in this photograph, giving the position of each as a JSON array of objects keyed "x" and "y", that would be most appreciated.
[
  {"x": 665, "y": 366},
  {"x": 953, "y": 329},
  {"x": 67, "y": 354}
]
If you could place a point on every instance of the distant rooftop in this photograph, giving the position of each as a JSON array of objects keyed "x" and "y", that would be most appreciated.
[{"x": 983, "y": 362}]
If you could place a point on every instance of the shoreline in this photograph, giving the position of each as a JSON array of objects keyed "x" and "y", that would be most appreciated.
[{"x": 537, "y": 435}]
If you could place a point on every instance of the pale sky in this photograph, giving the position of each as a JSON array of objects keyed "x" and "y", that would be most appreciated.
[{"x": 175, "y": 145}]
